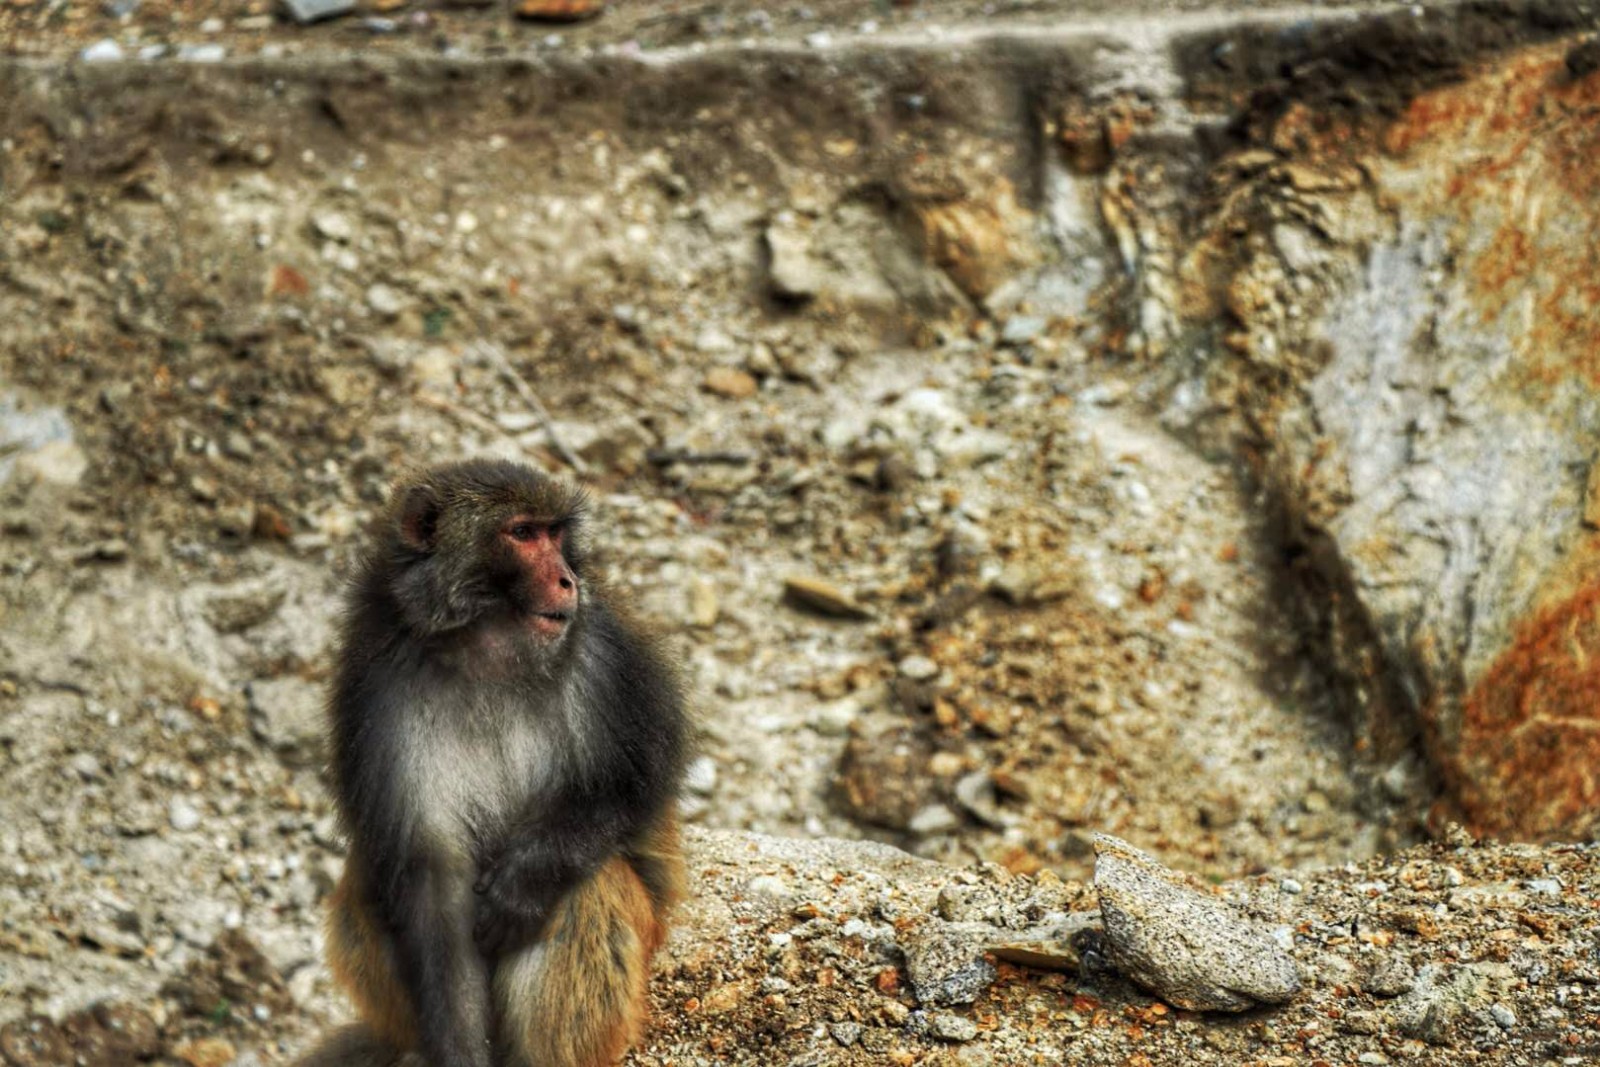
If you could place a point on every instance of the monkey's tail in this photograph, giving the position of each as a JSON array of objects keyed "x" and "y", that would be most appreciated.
[{"x": 356, "y": 1046}]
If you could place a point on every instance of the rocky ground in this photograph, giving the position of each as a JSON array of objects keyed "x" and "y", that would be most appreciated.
[{"x": 904, "y": 422}]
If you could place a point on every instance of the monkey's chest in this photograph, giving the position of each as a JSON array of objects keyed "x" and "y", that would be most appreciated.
[{"x": 471, "y": 784}]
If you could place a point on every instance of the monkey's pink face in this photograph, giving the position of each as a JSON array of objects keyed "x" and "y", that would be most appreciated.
[{"x": 549, "y": 586}]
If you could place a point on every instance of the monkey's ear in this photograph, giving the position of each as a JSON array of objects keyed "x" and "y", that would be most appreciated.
[{"x": 419, "y": 518}]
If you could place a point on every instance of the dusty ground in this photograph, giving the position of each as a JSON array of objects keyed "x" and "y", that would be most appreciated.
[
  {"x": 261, "y": 27},
  {"x": 228, "y": 326}
]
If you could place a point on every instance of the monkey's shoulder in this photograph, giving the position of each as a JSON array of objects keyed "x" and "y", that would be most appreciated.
[{"x": 632, "y": 685}]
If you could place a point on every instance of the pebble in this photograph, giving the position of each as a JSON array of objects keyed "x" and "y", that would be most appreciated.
[
  {"x": 954, "y": 1028},
  {"x": 847, "y": 1034},
  {"x": 1503, "y": 1016},
  {"x": 1290, "y": 886},
  {"x": 947, "y": 963},
  {"x": 385, "y": 300},
  {"x": 183, "y": 815},
  {"x": 823, "y": 598},
  {"x": 286, "y": 714},
  {"x": 104, "y": 51},
  {"x": 730, "y": 382},
  {"x": 1390, "y": 977},
  {"x": 704, "y": 607},
  {"x": 332, "y": 226},
  {"x": 1190, "y": 949},
  {"x": 833, "y": 720},
  {"x": 306, "y": 12},
  {"x": 1022, "y": 329},
  {"x": 792, "y": 272},
  {"x": 918, "y": 668},
  {"x": 202, "y": 53},
  {"x": 86, "y": 766},
  {"x": 934, "y": 819},
  {"x": 975, "y": 793},
  {"x": 768, "y": 885},
  {"x": 713, "y": 341},
  {"x": 701, "y": 776}
]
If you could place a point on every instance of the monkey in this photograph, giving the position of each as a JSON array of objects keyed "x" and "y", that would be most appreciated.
[{"x": 506, "y": 754}]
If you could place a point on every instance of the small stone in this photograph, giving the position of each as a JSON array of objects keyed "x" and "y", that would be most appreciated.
[
  {"x": 714, "y": 341},
  {"x": 975, "y": 793},
  {"x": 1188, "y": 948},
  {"x": 791, "y": 270},
  {"x": 59, "y": 463},
  {"x": 934, "y": 819},
  {"x": 385, "y": 300},
  {"x": 202, "y": 53},
  {"x": 1052, "y": 948},
  {"x": 918, "y": 668},
  {"x": 332, "y": 226},
  {"x": 703, "y": 606},
  {"x": 1021, "y": 330},
  {"x": 207, "y": 1052},
  {"x": 834, "y": 719},
  {"x": 847, "y": 1034},
  {"x": 103, "y": 51},
  {"x": 306, "y": 12},
  {"x": 954, "y": 1028},
  {"x": 1390, "y": 977},
  {"x": 559, "y": 10},
  {"x": 701, "y": 776},
  {"x": 730, "y": 382},
  {"x": 823, "y": 598},
  {"x": 1446, "y": 995},
  {"x": 1503, "y": 1016},
  {"x": 768, "y": 885},
  {"x": 946, "y": 962},
  {"x": 1362, "y": 1022},
  {"x": 86, "y": 766},
  {"x": 183, "y": 815},
  {"x": 1292, "y": 887},
  {"x": 1372, "y": 1058},
  {"x": 237, "y": 608},
  {"x": 286, "y": 714}
]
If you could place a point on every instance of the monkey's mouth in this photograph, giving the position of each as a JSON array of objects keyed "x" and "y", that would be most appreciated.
[{"x": 549, "y": 623}]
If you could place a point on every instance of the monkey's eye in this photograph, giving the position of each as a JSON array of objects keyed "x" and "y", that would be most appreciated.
[{"x": 523, "y": 531}]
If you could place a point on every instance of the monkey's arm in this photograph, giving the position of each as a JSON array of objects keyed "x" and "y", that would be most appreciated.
[
  {"x": 544, "y": 862},
  {"x": 634, "y": 711}
]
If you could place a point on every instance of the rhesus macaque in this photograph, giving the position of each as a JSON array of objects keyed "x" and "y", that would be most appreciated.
[{"x": 507, "y": 753}]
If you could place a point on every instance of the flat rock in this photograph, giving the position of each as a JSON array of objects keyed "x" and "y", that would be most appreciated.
[
  {"x": 947, "y": 962},
  {"x": 308, "y": 11},
  {"x": 286, "y": 713},
  {"x": 731, "y": 382},
  {"x": 1187, "y": 948},
  {"x": 793, "y": 274},
  {"x": 823, "y": 598}
]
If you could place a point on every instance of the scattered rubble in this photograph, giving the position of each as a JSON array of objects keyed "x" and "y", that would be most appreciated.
[{"x": 1005, "y": 444}]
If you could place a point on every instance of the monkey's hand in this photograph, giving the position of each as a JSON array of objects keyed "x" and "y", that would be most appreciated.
[{"x": 515, "y": 898}]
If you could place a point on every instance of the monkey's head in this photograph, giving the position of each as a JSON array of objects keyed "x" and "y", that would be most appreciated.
[{"x": 486, "y": 544}]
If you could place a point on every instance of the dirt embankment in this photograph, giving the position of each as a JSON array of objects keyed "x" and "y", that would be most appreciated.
[{"x": 1014, "y": 428}]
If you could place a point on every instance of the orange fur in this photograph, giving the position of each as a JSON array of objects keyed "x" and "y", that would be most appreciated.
[
  {"x": 361, "y": 958},
  {"x": 577, "y": 998}
]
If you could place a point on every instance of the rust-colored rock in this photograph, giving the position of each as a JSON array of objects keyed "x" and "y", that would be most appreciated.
[
  {"x": 560, "y": 10},
  {"x": 1528, "y": 759}
]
